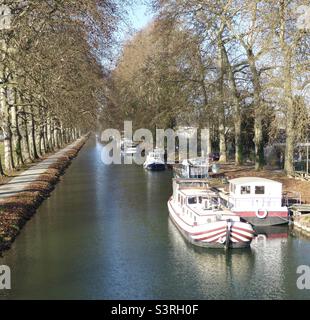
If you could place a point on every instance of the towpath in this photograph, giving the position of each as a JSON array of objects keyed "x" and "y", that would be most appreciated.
[{"x": 23, "y": 180}]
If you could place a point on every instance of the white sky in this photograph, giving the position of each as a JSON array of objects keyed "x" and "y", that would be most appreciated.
[{"x": 140, "y": 15}]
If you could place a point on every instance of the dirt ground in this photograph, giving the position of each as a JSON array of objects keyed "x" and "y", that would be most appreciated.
[{"x": 290, "y": 185}]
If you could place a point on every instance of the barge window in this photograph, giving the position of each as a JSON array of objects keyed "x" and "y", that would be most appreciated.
[
  {"x": 259, "y": 190},
  {"x": 245, "y": 189},
  {"x": 192, "y": 200}
]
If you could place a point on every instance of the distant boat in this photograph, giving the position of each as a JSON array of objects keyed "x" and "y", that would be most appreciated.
[
  {"x": 129, "y": 147},
  {"x": 155, "y": 160},
  {"x": 196, "y": 211},
  {"x": 196, "y": 168}
]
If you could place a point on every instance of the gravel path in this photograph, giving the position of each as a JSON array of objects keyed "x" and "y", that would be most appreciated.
[{"x": 22, "y": 181}]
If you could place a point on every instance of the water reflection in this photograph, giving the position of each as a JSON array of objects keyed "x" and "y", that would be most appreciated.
[
  {"x": 216, "y": 270},
  {"x": 105, "y": 233},
  {"x": 257, "y": 272}
]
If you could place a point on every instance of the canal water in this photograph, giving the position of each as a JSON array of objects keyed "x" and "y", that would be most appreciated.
[{"x": 105, "y": 234}]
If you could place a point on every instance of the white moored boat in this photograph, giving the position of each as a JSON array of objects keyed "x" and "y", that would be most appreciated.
[
  {"x": 195, "y": 168},
  {"x": 196, "y": 211},
  {"x": 155, "y": 160},
  {"x": 257, "y": 201},
  {"x": 129, "y": 147}
]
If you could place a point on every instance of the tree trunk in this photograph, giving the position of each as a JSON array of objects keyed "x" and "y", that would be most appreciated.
[
  {"x": 238, "y": 140},
  {"x": 222, "y": 138},
  {"x": 16, "y": 137},
  {"x": 69, "y": 136},
  {"x": 33, "y": 135},
  {"x": 49, "y": 134},
  {"x": 53, "y": 135},
  {"x": 7, "y": 134},
  {"x": 64, "y": 139},
  {"x": 56, "y": 135},
  {"x": 288, "y": 94},
  {"x": 41, "y": 140},
  {"x": 290, "y": 123},
  {"x": 221, "y": 115},
  {"x": 6, "y": 123},
  {"x": 1, "y": 168},
  {"x": 46, "y": 147},
  {"x": 61, "y": 135},
  {"x": 24, "y": 134},
  {"x": 259, "y": 108},
  {"x": 8, "y": 154},
  {"x": 237, "y": 110},
  {"x": 209, "y": 141}
]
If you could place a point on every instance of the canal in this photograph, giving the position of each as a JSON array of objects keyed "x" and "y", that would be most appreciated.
[{"x": 105, "y": 234}]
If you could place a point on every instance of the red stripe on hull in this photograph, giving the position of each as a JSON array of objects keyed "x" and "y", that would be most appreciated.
[
  {"x": 239, "y": 240},
  {"x": 211, "y": 236},
  {"x": 241, "y": 235},
  {"x": 245, "y": 230},
  {"x": 283, "y": 214},
  {"x": 207, "y": 231}
]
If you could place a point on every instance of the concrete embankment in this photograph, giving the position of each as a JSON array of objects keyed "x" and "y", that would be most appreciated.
[
  {"x": 302, "y": 223},
  {"x": 21, "y": 196}
]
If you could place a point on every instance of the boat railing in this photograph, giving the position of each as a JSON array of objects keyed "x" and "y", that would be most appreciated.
[
  {"x": 192, "y": 182},
  {"x": 191, "y": 170},
  {"x": 214, "y": 215},
  {"x": 197, "y": 213},
  {"x": 202, "y": 188},
  {"x": 255, "y": 202},
  {"x": 291, "y": 198}
]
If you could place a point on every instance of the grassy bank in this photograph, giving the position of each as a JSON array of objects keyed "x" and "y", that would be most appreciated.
[{"x": 16, "y": 210}]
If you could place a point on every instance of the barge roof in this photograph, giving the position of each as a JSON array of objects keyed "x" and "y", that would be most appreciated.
[{"x": 243, "y": 180}]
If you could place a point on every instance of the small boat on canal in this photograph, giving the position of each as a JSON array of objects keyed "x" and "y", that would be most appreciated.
[
  {"x": 196, "y": 168},
  {"x": 129, "y": 147},
  {"x": 197, "y": 212},
  {"x": 258, "y": 201},
  {"x": 155, "y": 160}
]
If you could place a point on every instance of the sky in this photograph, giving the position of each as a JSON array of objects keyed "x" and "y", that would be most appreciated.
[{"x": 140, "y": 15}]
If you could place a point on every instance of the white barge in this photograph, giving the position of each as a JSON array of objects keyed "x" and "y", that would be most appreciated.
[
  {"x": 257, "y": 201},
  {"x": 197, "y": 212}
]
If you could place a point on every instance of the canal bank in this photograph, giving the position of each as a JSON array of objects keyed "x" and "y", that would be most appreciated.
[
  {"x": 302, "y": 223},
  {"x": 105, "y": 233},
  {"x": 22, "y": 195}
]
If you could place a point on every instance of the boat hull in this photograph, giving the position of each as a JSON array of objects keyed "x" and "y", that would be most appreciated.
[
  {"x": 273, "y": 218},
  {"x": 214, "y": 235},
  {"x": 155, "y": 167}
]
